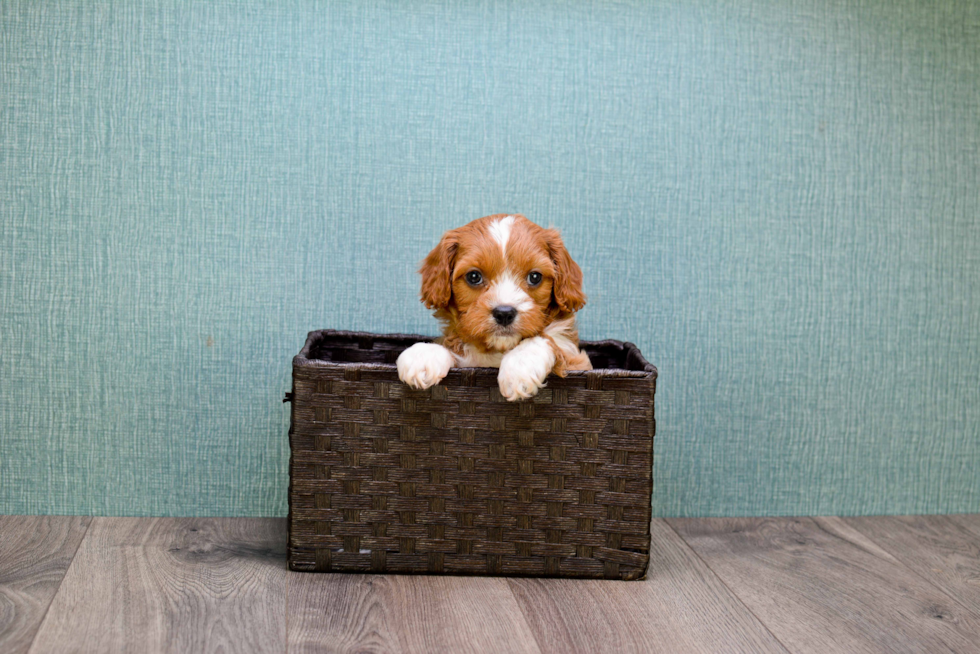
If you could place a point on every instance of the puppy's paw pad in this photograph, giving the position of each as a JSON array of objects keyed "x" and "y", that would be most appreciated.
[{"x": 424, "y": 365}]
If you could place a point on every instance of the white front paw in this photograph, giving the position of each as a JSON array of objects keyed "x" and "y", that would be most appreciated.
[
  {"x": 524, "y": 369},
  {"x": 424, "y": 365}
]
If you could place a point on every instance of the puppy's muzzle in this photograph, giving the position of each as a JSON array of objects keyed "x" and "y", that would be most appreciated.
[{"x": 504, "y": 315}]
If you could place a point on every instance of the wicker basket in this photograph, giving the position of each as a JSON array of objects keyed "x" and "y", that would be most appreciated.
[{"x": 457, "y": 480}]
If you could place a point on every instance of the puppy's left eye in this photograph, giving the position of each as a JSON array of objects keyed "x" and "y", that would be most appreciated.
[{"x": 534, "y": 278}]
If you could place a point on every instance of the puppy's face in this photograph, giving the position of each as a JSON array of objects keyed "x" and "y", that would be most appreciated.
[{"x": 499, "y": 280}]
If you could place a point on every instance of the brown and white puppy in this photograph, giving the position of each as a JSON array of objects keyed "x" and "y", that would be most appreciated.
[{"x": 506, "y": 292}]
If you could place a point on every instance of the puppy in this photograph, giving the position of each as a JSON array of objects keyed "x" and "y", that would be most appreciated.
[{"x": 506, "y": 292}]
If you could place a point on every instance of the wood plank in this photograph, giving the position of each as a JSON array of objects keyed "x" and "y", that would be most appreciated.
[
  {"x": 820, "y": 585},
  {"x": 944, "y": 550},
  {"x": 404, "y": 613},
  {"x": 970, "y": 521},
  {"x": 172, "y": 585},
  {"x": 680, "y": 607},
  {"x": 35, "y": 552}
]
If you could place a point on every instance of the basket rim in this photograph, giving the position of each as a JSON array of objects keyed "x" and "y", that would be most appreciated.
[{"x": 303, "y": 360}]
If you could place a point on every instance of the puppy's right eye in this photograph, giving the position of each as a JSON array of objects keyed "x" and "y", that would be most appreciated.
[{"x": 474, "y": 278}]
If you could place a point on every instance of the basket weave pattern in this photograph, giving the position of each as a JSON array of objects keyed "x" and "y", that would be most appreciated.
[{"x": 457, "y": 480}]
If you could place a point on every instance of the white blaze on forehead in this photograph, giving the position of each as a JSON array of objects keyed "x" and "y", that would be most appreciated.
[
  {"x": 507, "y": 292},
  {"x": 500, "y": 231}
]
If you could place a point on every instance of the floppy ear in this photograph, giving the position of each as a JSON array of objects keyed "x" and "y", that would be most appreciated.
[
  {"x": 567, "y": 288},
  {"x": 437, "y": 272}
]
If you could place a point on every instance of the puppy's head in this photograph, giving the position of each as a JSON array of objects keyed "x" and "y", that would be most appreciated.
[{"x": 500, "y": 279}]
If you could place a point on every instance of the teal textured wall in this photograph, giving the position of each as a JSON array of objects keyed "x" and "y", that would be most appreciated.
[{"x": 778, "y": 201}]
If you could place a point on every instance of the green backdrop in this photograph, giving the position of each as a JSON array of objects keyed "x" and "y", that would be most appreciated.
[{"x": 778, "y": 201}]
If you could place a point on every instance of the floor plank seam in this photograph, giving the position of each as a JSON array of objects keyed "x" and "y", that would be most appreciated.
[
  {"x": 527, "y": 620},
  {"x": 667, "y": 521},
  {"x": 61, "y": 582},
  {"x": 911, "y": 571}
]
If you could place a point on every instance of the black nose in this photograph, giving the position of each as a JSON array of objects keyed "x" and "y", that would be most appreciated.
[{"x": 504, "y": 315}]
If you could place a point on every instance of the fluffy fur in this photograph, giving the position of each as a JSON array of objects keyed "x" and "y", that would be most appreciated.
[{"x": 502, "y": 251}]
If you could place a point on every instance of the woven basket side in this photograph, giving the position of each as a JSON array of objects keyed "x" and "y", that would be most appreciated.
[{"x": 455, "y": 479}]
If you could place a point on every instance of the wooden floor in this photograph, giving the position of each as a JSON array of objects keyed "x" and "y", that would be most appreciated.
[{"x": 898, "y": 584}]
